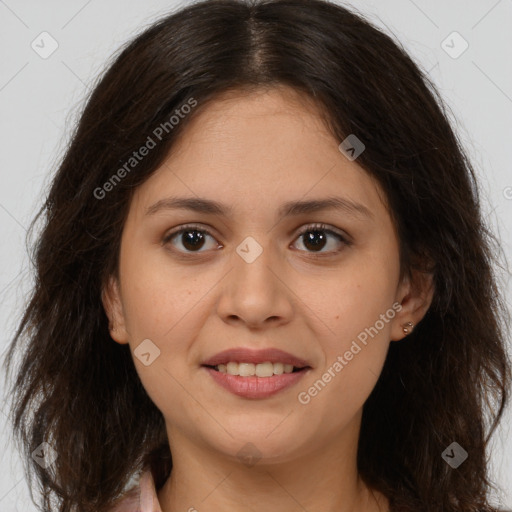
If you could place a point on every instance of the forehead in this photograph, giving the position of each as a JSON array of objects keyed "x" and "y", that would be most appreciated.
[
  {"x": 255, "y": 112},
  {"x": 270, "y": 144}
]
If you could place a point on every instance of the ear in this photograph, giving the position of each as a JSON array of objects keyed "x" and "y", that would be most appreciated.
[
  {"x": 111, "y": 299},
  {"x": 415, "y": 295}
]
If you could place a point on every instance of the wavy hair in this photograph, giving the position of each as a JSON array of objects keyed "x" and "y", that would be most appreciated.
[{"x": 77, "y": 390}]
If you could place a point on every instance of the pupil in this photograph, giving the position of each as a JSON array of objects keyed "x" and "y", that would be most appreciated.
[
  {"x": 192, "y": 239},
  {"x": 315, "y": 238}
]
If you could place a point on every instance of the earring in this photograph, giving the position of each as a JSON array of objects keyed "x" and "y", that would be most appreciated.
[{"x": 407, "y": 327}]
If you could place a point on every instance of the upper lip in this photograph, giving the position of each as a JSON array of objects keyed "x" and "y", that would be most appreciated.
[{"x": 245, "y": 355}]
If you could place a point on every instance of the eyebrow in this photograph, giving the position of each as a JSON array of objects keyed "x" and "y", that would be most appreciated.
[{"x": 290, "y": 208}]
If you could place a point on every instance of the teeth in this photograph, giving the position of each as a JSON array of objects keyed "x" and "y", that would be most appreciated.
[{"x": 266, "y": 369}]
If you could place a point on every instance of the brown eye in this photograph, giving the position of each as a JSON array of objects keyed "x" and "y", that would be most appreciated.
[
  {"x": 190, "y": 238},
  {"x": 314, "y": 240},
  {"x": 316, "y": 237}
]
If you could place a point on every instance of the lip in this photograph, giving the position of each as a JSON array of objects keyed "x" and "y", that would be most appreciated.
[
  {"x": 245, "y": 355},
  {"x": 256, "y": 387}
]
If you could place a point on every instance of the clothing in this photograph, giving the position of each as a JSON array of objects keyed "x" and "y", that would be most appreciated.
[
  {"x": 143, "y": 497},
  {"x": 140, "y": 498}
]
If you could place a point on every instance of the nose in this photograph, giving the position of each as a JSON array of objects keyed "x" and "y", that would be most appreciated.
[{"x": 255, "y": 293}]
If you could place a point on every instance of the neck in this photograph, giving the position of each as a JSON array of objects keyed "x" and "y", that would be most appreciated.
[{"x": 321, "y": 479}]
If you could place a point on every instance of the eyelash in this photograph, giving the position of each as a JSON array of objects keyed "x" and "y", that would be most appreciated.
[{"x": 311, "y": 227}]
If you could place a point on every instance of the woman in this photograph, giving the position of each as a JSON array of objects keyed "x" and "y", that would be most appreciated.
[{"x": 264, "y": 255}]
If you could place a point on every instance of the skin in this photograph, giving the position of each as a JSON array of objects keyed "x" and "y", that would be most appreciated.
[{"x": 253, "y": 152}]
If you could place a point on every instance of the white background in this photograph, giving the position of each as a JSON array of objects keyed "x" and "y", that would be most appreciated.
[{"x": 40, "y": 99}]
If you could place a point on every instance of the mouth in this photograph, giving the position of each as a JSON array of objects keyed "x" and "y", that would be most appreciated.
[
  {"x": 263, "y": 370},
  {"x": 255, "y": 381},
  {"x": 246, "y": 362},
  {"x": 256, "y": 374}
]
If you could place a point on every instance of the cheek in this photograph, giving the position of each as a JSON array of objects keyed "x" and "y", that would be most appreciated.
[
  {"x": 165, "y": 305},
  {"x": 350, "y": 300},
  {"x": 352, "y": 322},
  {"x": 160, "y": 298}
]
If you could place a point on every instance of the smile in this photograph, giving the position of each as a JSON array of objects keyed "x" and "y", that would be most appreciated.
[
  {"x": 248, "y": 384},
  {"x": 266, "y": 369}
]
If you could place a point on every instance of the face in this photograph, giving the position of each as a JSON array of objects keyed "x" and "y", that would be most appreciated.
[{"x": 321, "y": 284}]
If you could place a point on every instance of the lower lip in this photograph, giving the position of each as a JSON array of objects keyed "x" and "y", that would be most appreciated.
[{"x": 255, "y": 387}]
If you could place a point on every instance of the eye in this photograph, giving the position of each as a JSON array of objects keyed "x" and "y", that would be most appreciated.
[
  {"x": 316, "y": 236},
  {"x": 191, "y": 237}
]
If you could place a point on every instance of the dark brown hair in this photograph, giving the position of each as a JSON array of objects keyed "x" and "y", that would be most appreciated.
[{"x": 449, "y": 381}]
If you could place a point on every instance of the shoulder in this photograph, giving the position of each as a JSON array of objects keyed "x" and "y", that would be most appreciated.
[
  {"x": 492, "y": 509},
  {"x": 141, "y": 497},
  {"x": 129, "y": 501}
]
